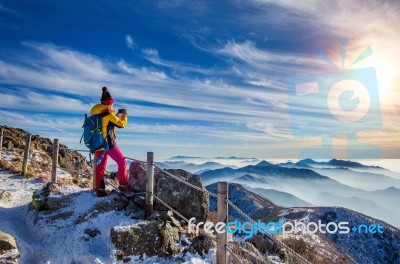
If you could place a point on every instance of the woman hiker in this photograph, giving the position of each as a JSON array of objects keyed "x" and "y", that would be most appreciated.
[{"x": 110, "y": 120}]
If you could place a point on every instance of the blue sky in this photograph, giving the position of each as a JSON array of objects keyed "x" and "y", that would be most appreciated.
[{"x": 200, "y": 78}]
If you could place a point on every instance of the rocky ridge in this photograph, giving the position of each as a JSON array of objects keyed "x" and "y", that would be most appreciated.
[{"x": 40, "y": 158}]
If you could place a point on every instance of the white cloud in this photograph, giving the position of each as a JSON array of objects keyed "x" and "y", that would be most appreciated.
[
  {"x": 182, "y": 133},
  {"x": 170, "y": 128},
  {"x": 271, "y": 129},
  {"x": 129, "y": 42},
  {"x": 43, "y": 103},
  {"x": 148, "y": 52},
  {"x": 209, "y": 99},
  {"x": 208, "y": 94},
  {"x": 266, "y": 61},
  {"x": 69, "y": 60},
  {"x": 153, "y": 56},
  {"x": 44, "y": 122},
  {"x": 145, "y": 84},
  {"x": 9, "y": 11},
  {"x": 142, "y": 72}
]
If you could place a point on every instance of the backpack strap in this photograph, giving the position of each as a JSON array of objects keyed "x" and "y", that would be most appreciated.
[
  {"x": 106, "y": 148},
  {"x": 80, "y": 141}
]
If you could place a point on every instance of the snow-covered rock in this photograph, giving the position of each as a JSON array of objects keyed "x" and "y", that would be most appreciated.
[
  {"x": 155, "y": 237},
  {"x": 188, "y": 201},
  {"x": 8, "y": 249},
  {"x": 201, "y": 244},
  {"x": 5, "y": 197},
  {"x": 79, "y": 231}
]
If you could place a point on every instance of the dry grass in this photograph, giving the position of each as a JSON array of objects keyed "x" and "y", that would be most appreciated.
[
  {"x": 247, "y": 253},
  {"x": 15, "y": 168},
  {"x": 17, "y": 159},
  {"x": 301, "y": 247},
  {"x": 4, "y": 164},
  {"x": 212, "y": 216},
  {"x": 29, "y": 173},
  {"x": 44, "y": 178},
  {"x": 264, "y": 244}
]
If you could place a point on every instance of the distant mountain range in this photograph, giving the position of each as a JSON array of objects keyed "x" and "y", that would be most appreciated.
[
  {"x": 250, "y": 203},
  {"x": 184, "y": 157},
  {"x": 313, "y": 188},
  {"x": 333, "y": 163},
  {"x": 328, "y": 248},
  {"x": 367, "y": 180},
  {"x": 191, "y": 167},
  {"x": 191, "y": 157},
  {"x": 351, "y": 173},
  {"x": 280, "y": 198},
  {"x": 261, "y": 169},
  {"x": 367, "y": 189}
]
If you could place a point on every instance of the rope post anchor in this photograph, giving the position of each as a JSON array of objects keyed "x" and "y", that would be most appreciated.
[
  {"x": 26, "y": 155},
  {"x": 1, "y": 138},
  {"x": 55, "y": 161},
  {"x": 222, "y": 216},
  {"x": 149, "y": 184}
]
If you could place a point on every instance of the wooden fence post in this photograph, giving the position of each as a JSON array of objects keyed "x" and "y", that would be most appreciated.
[
  {"x": 222, "y": 216},
  {"x": 1, "y": 138},
  {"x": 55, "y": 161},
  {"x": 149, "y": 184},
  {"x": 26, "y": 155},
  {"x": 94, "y": 163}
]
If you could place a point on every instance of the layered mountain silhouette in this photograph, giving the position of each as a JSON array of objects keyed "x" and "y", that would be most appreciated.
[
  {"x": 313, "y": 188},
  {"x": 280, "y": 198},
  {"x": 361, "y": 248},
  {"x": 335, "y": 163}
]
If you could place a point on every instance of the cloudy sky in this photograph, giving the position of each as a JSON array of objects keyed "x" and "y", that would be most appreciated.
[{"x": 254, "y": 78}]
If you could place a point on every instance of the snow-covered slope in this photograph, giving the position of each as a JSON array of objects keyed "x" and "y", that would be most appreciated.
[
  {"x": 313, "y": 188},
  {"x": 76, "y": 233},
  {"x": 360, "y": 247}
]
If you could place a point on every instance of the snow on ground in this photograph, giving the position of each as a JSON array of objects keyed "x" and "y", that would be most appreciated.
[
  {"x": 58, "y": 236},
  {"x": 12, "y": 215},
  {"x": 7, "y": 155}
]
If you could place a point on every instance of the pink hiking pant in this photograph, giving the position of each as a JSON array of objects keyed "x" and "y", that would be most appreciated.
[{"x": 119, "y": 158}]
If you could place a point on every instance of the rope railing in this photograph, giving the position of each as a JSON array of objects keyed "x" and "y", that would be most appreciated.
[
  {"x": 180, "y": 215},
  {"x": 185, "y": 182},
  {"x": 234, "y": 255},
  {"x": 77, "y": 150},
  {"x": 74, "y": 171},
  {"x": 261, "y": 260},
  {"x": 149, "y": 193},
  {"x": 248, "y": 218},
  {"x": 170, "y": 208},
  {"x": 230, "y": 203},
  {"x": 135, "y": 160}
]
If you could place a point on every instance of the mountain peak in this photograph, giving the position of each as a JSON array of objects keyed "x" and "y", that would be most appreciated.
[
  {"x": 306, "y": 162},
  {"x": 350, "y": 164},
  {"x": 263, "y": 164}
]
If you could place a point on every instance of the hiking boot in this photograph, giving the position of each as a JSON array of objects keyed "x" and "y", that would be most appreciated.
[
  {"x": 101, "y": 192},
  {"x": 126, "y": 190}
]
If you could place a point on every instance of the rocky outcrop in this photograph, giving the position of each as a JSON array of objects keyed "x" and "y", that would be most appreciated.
[
  {"x": 137, "y": 176},
  {"x": 188, "y": 201},
  {"x": 5, "y": 197},
  {"x": 151, "y": 238},
  {"x": 50, "y": 198},
  {"x": 136, "y": 240},
  {"x": 41, "y": 150},
  {"x": 8, "y": 249},
  {"x": 201, "y": 245}
]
